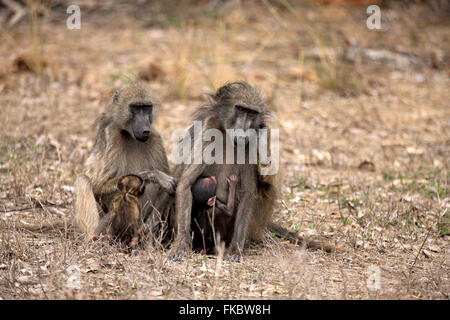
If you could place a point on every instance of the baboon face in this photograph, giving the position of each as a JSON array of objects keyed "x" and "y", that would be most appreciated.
[
  {"x": 141, "y": 120},
  {"x": 134, "y": 110},
  {"x": 245, "y": 117},
  {"x": 242, "y": 108}
]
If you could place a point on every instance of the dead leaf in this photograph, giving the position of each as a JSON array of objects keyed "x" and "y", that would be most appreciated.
[
  {"x": 414, "y": 150},
  {"x": 359, "y": 243},
  {"x": 335, "y": 215},
  {"x": 92, "y": 266},
  {"x": 56, "y": 211},
  {"x": 427, "y": 253},
  {"x": 434, "y": 248},
  {"x": 38, "y": 196},
  {"x": 367, "y": 165},
  {"x": 27, "y": 63},
  {"x": 151, "y": 73}
]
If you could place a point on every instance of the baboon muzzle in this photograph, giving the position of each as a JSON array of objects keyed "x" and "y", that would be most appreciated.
[
  {"x": 142, "y": 136},
  {"x": 142, "y": 131}
]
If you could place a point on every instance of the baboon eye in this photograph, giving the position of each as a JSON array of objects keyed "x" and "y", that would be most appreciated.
[
  {"x": 241, "y": 108},
  {"x": 250, "y": 112},
  {"x": 138, "y": 107}
]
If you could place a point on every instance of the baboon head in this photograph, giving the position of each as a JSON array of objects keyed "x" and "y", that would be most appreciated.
[
  {"x": 239, "y": 106},
  {"x": 131, "y": 184},
  {"x": 203, "y": 189},
  {"x": 126, "y": 207},
  {"x": 133, "y": 110}
]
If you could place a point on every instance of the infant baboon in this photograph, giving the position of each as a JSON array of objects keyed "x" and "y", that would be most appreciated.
[
  {"x": 124, "y": 221},
  {"x": 204, "y": 194},
  {"x": 206, "y": 207}
]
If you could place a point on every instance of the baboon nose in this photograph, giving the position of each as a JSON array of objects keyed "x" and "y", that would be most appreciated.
[{"x": 143, "y": 135}]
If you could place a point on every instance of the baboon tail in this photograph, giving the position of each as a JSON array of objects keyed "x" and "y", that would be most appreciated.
[
  {"x": 86, "y": 209},
  {"x": 293, "y": 237},
  {"x": 47, "y": 227}
]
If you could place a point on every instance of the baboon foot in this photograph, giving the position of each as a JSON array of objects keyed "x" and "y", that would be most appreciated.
[{"x": 233, "y": 257}]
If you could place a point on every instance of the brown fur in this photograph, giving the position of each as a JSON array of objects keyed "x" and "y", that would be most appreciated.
[
  {"x": 254, "y": 200},
  {"x": 123, "y": 220},
  {"x": 255, "y": 193},
  {"x": 116, "y": 153},
  {"x": 206, "y": 208}
]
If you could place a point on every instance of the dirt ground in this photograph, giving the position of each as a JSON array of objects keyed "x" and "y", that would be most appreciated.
[{"x": 365, "y": 146}]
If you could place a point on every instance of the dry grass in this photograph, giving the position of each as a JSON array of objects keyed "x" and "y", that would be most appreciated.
[{"x": 365, "y": 149}]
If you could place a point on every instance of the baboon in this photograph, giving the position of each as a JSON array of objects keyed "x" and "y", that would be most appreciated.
[
  {"x": 206, "y": 207},
  {"x": 123, "y": 221},
  {"x": 126, "y": 143},
  {"x": 204, "y": 192},
  {"x": 240, "y": 107}
]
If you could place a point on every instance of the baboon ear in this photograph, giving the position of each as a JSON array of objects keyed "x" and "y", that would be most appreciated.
[
  {"x": 222, "y": 92},
  {"x": 116, "y": 96},
  {"x": 120, "y": 185}
]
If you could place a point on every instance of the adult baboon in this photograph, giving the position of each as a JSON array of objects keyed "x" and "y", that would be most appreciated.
[
  {"x": 236, "y": 108},
  {"x": 126, "y": 143}
]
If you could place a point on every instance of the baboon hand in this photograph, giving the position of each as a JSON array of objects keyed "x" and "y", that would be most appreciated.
[
  {"x": 232, "y": 180},
  {"x": 211, "y": 201},
  {"x": 167, "y": 182}
]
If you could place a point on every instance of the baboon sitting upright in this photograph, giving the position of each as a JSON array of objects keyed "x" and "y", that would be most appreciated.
[
  {"x": 236, "y": 108},
  {"x": 126, "y": 143}
]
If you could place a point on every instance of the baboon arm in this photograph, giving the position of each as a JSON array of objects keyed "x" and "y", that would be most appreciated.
[
  {"x": 191, "y": 174},
  {"x": 184, "y": 203},
  {"x": 243, "y": 215},
  {"x": 108, "y": 187},
  {"x": 223, "y": 207},
  {"x": 231, "y": 198},
  {"x": 263, "y": 165},
  {"x": 228, "y": 208}
]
